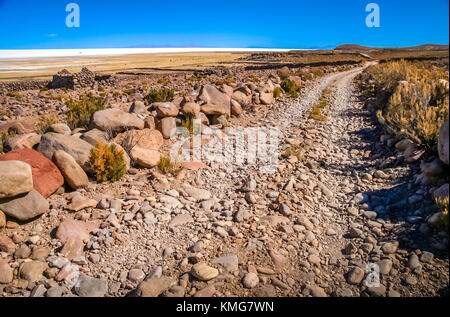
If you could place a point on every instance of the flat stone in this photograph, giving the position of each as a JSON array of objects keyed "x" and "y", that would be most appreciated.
[
  {"x": 25, "y": 206},
  {"x": 32, "y": 271},
  {"x": 204, "y": 272},
  {"x": 116, "y": 120},
  {"x": 154, "y": 287}
]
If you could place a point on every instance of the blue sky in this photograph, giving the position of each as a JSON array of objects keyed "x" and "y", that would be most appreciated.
[{"x": 28, "y": 24}]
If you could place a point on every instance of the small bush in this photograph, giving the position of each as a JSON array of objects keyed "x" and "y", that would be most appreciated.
[
  {"x": 253, "y": 79},
  {"x": 163, "y": 81},
  {"x": 167, "y": 166},
  {"x": 226, "y": 81},
  {"x": 277, "y": 92},
  {"x": 45, "y": 121},
  {"x": 80, "y": 111},
  {"x": 4, "y": 136},
  {"x": 443, "y": 204},
  {"x": 14, "y": 94},
  {"x": 290, "y": 88},
  {"x": 188, "y": 123},
  {"x": 4, "y": 111},
  {"x": 412, "y": 98},
  {"x": 316, "y": 111},
  {"x": 294, "y": 150},
  {"x": 162, "y": 95},
  {"x": 129, "y": 91},
  {"x": 108, "y": 162}
]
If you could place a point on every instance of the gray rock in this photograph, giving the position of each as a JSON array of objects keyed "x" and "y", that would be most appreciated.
[
  {"x": 25, "y": 206},
  {"x": 87, "y": 286}
]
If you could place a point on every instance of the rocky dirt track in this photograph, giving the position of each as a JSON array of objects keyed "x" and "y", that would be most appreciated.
[{"x": 316, "y": 227}]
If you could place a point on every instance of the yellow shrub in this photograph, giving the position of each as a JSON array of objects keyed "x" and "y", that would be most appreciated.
[
  {"x": 4, "y": 136},
  {"x": 443, "y": 204},
  {"x": 412, "y": 97},
  {"x": 294, "y": 150},
  {"x": 80, "y": 111},
  {"x": 108, "y": 162},
  {"x": 167, "y": 166}
]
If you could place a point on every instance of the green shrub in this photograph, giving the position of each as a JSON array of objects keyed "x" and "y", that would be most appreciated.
[
  {"x": 226, "y": 81},
  {"x": 161, "y": 95},
  {"x": 290, "y": 88},
  {"x": 108, "y": 162},
  {"x": 277, "y": 92},
  {"x": 80, "y": 111},
  {"x": 294, "y": 150}
]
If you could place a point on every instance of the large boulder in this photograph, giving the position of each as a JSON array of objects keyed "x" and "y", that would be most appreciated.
[
  {"x": 236, "y": 108},
  {"x": 24, "y": 206},
  {"x": 443, "y": 142},
  {"x": 167, "y": 126},
  {"x": 145, "y": 157},
  {"x": 80, "y": 150},
  {"x": 115, "y": 120},
  {"x": 15, "y": 178},
  {"x": 73, "y": 173},
  {"x": 94, "y": 136},
  {"x": 216, "y": 101},
  {"x": 147, "y": 139},
  {"x": 241, "y": 97},
  {"x": 266, "y": 98},
  {"x": 46, "y": 176},
  {"x": 165, "y": 109}
]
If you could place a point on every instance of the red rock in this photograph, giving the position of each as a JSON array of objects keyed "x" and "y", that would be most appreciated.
[
  {"x": 278, "y": 259},
  {"x": 46, "y": 176}
]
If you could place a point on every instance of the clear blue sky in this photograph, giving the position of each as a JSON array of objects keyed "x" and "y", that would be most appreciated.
[{"x": 29, "y": 24}]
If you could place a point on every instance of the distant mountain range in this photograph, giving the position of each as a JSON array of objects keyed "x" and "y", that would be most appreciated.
[{"x": 360, "y": 48}]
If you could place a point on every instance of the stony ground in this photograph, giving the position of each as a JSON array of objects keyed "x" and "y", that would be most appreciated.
[{"x": 315, "y": 227}]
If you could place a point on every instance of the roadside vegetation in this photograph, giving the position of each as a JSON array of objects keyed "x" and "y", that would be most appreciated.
[{"x": 411, "y": 98}]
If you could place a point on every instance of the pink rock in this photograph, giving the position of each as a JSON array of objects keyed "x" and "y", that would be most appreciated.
[
  {"x": 207, "y": 291},
  {"x": 6, "y": 272},
  {"x": 46, "y": 176},
  {"x": 278, "y": 259},
  {"x": 82, "y": 204},
  {"x": 74, "y": 234},
  {"x": 194, "y": 166}
]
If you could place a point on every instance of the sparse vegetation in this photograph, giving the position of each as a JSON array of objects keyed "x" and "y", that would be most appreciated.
[
  {"x": 80, "y": 111},
  {"x": 290, "y": 88},
  {"x": 45, "y": 121},
  {"x": 412, "y": 98},
  {"x": 4, "y": 136},
  {"x": 163, "y": 80},
  {"x": 129, "y": 91},
  {"x": 161, "y": 95},
  {"x": 229, "y": 80},
  {"x": 316, "y": 111},
  {"x": 443, "y": 205},
  {"x": 294, "y": 150},
  {"x": 14, "y": 94},
  {"x": 168, "y": 166},
  {"x": 253, "y": 79},
  {"x": 188, "y": 123},
  {"x": 277, "y": 92},
  {"x": 108, "y": 162}
]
